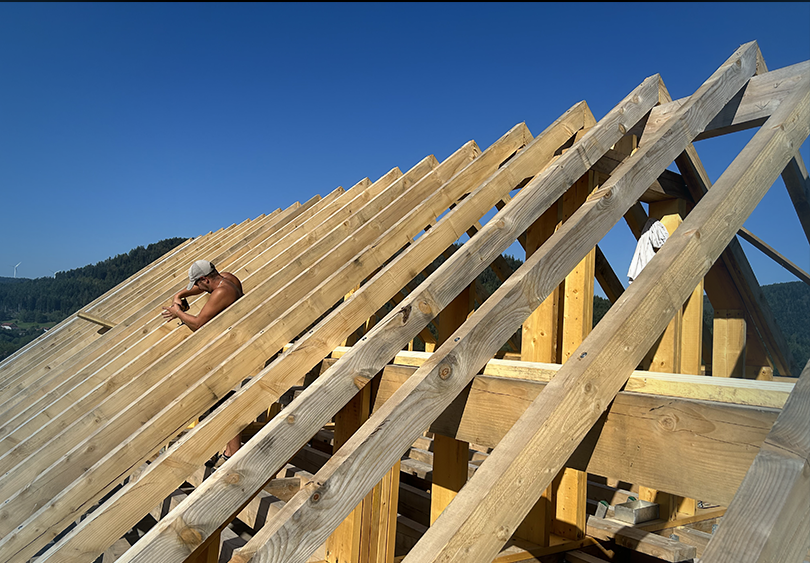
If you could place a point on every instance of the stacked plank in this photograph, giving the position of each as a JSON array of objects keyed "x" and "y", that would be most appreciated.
[{"x": 74, "y": 430}]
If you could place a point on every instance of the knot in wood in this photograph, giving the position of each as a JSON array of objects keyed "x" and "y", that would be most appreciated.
[
  {"x": 622, "y": 128},
  {"x": 424, "y": 306},
  {"x": 668, "y": 422},
  {"x": 190, "y": 537},
  {"x": 316, "y": 496},
  {"x": 445, "y": 371},
  {"x": 502, "y": 533},
  {"x": 291, "y": 419},
  {"x": 232, "y": 478},
  {"x": 406, "y": 313}
]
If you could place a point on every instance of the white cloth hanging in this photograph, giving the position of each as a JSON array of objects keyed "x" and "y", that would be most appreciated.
[{"x": 653, "y": 236}]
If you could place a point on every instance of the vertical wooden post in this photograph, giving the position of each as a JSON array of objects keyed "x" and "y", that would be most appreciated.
[
  {"x": 678, "y": 351},
  {"x": 368, "y": 534},
  {"x": 343, "y": 546},
  {"x": 539, "y": 344},
  {"x": 576, "y": 297},
  {"x": 450, "y": 456},
  {"x": 729, "y": 343}
]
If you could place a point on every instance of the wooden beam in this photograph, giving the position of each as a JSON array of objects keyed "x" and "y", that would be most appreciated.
[
  {"x": 640, "y": 541},
  {"x": 769, "y": 518},
  {"x": 774, "y": 255},
  {"x": 450, "y": 456},
  {"x": 94, "y": 319},
  {"x": 797, "y": 183}
]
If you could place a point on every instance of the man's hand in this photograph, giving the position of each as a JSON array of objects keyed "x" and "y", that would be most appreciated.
[{"x": 168, "y": 313}]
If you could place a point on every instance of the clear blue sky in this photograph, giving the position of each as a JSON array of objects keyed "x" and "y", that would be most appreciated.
[{"x": 123, "y": 124}]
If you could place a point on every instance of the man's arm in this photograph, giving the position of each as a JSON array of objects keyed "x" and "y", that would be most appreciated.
[
  {"x": 220, "y": 299},
  {"x": 180, "y": 295}
]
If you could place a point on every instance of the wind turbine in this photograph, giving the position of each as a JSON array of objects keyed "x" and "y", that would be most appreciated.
[{"x": 15, "y": 269}]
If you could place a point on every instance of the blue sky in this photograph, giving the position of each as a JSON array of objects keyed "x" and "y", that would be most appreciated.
[{"x": 123, "y": 124}]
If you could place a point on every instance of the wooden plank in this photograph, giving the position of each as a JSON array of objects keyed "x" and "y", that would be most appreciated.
[
  {"x": 769, "y": 518},
  {"x": 728, "y": 347},
  {"x": 342, "y": 384},
  {"x": 450, "y": 456},
  {"x": 734, "y": 391},
  {"x": 579, "y": 393},
  {"x": 607, "y": 278},
  {"x": 774, "y": 255},
  {"x": 396, "y": 433},
  {"x": 197, "y": 445}
]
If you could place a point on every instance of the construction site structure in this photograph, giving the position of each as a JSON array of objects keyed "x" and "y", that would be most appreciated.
[{"x": 393, "y": 410}]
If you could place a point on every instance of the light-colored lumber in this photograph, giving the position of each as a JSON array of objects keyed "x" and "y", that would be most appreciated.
[
  {"x": 142, "y": 344},
  {"x": 739, "y": 392},
  {"x": 155, "y": 290},
  {"x": 450, "y": 456},
  {"x": 769, "y": 518},
  {"x": 525, "y": 164},
  {"x": 728, "y": 347},
  {"x": 96, "y": 320},
  {"x": 476, "y": 523},
  {"x": 340, "y": 474},
  {"x": 336, "y": 326}
]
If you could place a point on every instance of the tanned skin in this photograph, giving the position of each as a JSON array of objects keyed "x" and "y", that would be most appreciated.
[{"x": 225, "y": 288}]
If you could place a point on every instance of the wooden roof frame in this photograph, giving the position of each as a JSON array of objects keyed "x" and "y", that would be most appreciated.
[{"x": 81, "y": 411}]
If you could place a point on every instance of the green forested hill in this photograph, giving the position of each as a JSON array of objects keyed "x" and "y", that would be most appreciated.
[{"x": 30, "y": 303}]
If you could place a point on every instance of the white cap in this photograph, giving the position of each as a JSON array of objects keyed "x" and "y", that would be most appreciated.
[{"x": 199, "y": 269}]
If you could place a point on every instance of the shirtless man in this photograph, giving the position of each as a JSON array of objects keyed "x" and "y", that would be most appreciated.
[{"x": 225, "y": 288}]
